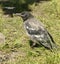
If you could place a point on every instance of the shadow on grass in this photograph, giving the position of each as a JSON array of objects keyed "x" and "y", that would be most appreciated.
[{"x": 19, "y": 7}]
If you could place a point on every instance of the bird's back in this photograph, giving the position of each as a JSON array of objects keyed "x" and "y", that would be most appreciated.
[{"x": 34, "y": 23}]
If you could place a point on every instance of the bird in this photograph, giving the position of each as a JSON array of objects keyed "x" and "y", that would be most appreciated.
[{"x": 36, "y": 30}]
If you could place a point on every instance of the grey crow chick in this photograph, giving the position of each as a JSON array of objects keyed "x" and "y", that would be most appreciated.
[{"x": 36, "y": 31}]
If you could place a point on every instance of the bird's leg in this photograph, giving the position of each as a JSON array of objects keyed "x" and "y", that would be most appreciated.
[{"x": 32, "y": 43}]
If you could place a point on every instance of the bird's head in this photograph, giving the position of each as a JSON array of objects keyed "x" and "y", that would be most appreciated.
[{"x": 26, "y": 15}]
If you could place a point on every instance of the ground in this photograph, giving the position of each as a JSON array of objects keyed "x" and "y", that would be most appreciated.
[{"x": 16, "y": 49}]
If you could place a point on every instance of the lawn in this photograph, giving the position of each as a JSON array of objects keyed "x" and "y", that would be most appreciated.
[{"x": 16, "y": 49}]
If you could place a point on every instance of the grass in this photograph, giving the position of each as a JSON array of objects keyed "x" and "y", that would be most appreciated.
[{"x": 17, "y": 50}]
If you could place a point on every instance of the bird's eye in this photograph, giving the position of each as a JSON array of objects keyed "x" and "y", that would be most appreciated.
[{"x": 22, "y": 13}]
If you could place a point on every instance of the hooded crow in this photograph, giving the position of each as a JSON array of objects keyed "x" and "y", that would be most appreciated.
[{"x": 36, "y": 31}]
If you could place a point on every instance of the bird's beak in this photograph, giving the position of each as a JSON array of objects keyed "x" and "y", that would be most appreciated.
[{"x": 19, "y": 14}]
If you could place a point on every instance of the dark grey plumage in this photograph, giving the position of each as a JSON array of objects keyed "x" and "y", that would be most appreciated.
[{"x": 36, "y": 31}]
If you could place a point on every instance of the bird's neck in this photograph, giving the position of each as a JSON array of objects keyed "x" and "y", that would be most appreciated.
[{"x": 26, "y": 18}]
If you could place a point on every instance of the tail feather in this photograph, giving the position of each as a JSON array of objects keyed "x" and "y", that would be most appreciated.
[
  {"x": 55, "y": 47},
  {"x": 53, "y": 44}
]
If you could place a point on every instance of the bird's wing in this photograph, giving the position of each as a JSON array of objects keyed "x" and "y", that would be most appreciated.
[{"x": 37, "y": 32}]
